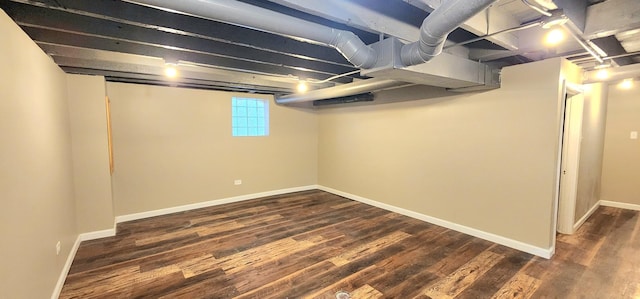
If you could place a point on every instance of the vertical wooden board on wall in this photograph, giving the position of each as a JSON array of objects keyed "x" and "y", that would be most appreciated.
[{"x": 109, "y": 139}]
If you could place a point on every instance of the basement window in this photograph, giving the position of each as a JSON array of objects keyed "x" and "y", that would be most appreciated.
[{"x": 249, "y": 117}]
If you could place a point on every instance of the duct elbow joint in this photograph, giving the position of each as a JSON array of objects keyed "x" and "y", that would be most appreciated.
[
  {"x": 412, "y": 54},
  {"x": 364, "y": 58},
  {"x": 423, "y": 50},
  {"x": 354, "y": 50},
  {"x": 437, "y": 26}
]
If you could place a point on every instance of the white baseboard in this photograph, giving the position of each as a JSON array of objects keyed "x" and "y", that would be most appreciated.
[
  {"x": 142, "y": 215},
  {"x": 72, "y": 254},
  {"x": 97, "y": 234},
  {"x": 65, "y": 269},
  {"x": 586, "y": 216},
  {"x": 542, "y": 252},
  {"x": 112, "y": 231},
  {"x": 621, "y": 205}
]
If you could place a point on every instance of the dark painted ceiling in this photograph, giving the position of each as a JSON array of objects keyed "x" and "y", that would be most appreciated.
[{"x": 128, "y": 42}]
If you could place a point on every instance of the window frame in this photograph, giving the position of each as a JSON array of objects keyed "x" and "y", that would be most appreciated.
[{"x": 249, "y": 117}]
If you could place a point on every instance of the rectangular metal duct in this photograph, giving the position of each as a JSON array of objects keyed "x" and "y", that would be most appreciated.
[{"x": 444, "y": 70}]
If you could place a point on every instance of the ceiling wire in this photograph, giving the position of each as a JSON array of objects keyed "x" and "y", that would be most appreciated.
[{"x": 333, "y": 78}]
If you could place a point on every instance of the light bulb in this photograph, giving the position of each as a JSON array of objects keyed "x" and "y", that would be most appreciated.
[
  {"x": 302, "y": 87},
  {"x": 626, "y": 84},
  {"x": 602, "y": 74},
  {"x": 554, "y": 37},
  {"x": 170, "y": 71}
]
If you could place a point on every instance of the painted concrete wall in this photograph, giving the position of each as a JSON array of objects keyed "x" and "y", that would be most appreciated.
[
  {"x": 621, "y": 163},
  {"x": 592, "y": 148},
  {"x": 36, "y": 172},
  {"x": 173, "y": 146},
  {"x": 92, "y": 179},
  {"x": 486, "y": 160}
]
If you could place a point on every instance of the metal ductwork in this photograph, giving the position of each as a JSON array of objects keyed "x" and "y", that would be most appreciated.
[
  {"x": 390, "y": 62},
  {"x": 435, "y": 28},
  {"x": 254, "y": 17},
  {"x": 339, "y": 91},
  {"x": 445, "y": 70},
  {"x": 362, "y": 97}
]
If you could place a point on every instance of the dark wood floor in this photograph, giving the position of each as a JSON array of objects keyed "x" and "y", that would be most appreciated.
[{"x": 313, "y": 244}]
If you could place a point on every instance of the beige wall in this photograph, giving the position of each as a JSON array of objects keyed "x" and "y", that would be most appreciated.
[
  {"x": 621, "y": 164},
  {"x": 591, "y": 149},
  {"x": 92, "y": 180},
  {"x": 484, "y": 160},
  {"x": 36, "y": 186},
  {"x": 173, "y": 146}
]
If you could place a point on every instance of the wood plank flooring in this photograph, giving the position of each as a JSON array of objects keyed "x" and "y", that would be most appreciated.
[{"x": 313, "y": 244}]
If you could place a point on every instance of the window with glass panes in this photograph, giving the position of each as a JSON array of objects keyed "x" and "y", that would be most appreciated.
[{"x": 250, "y": 117}]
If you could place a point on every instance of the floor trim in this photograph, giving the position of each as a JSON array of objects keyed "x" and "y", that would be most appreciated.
[
  {"x": 542, "y": 252},
  {"x": 142, "y": 215},
  {"x": 621, "y": 205},
  {"x": 112, "y": 231},
  {"x": 66, "y": 268},
  {"x": 586, "y": 216},
  {"x": 97, "y": 234}
]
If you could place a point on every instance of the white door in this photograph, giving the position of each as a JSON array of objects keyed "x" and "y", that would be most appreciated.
[{"x": 572, "y": 137}]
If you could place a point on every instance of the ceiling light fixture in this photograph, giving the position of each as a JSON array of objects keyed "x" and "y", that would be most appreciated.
[
  {"x": 602, "y": 74},
  {"x": 302, "y": 86},
  {"x": 170, "y": 70},
  {"x": 554, "y": 37},
  {"x": 626, "y": 84}
]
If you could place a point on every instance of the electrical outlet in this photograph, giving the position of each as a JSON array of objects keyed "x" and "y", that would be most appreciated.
[
  {"x": 237, "y": 182},
  {"x": 58, "y": 248}
]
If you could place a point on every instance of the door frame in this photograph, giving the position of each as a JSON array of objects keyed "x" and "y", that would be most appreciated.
[
  {"x": 570, "y": 162},
  {"x": 566, "y": 88}
]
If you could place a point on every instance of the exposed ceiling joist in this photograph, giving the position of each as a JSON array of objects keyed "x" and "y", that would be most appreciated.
[
  {"x": 174, "y": 54},
  {"x": 99, "y": 62},
  {"x": 127, "y": 77},
  {"x": 162, "y": 21},
  {"x": 356, "y": 15},
  {"x": 65, "y": 21},
  {"x": 612, "y": 47},
  {"x": 123, "y": 40}
]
